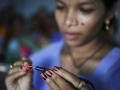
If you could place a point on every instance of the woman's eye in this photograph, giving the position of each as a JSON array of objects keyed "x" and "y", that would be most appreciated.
[
  {"x": 86, "y": 10},
  {"x": 60, "y": 7}
]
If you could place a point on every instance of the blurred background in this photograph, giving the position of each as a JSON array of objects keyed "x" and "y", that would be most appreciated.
[{"x": 25, "y": 27}]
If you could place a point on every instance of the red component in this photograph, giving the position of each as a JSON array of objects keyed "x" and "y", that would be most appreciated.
[
  {"x": 27, "y": 67},
  {"x": 25, "y": 51}
]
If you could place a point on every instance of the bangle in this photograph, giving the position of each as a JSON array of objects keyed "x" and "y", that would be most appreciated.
[{"x": 81, "y": 84}]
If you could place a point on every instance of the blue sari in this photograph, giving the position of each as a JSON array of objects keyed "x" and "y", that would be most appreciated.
[{"x": 106, "y": 76}]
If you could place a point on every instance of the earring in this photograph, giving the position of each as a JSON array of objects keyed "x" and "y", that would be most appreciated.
[{"x": 107, "y": 23}]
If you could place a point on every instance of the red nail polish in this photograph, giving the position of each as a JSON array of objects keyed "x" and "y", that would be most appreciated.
[
  {"x": 57, "y": 68},
  {"x": 49, "y": 75},
  {"x": 54, "y": 69},
  {"x": 50, "y": 72},
  {"x": 27, "y": 67},
  {"x": 43, "y": 76}
]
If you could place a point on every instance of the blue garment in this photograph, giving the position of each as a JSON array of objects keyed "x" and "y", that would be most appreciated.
[{"x": 105, "y": 77}]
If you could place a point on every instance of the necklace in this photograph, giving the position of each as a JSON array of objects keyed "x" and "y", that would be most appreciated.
[{"x": 86, "y": 59}]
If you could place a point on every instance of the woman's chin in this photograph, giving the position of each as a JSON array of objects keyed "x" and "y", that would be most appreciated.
[{"x": 73, "y": 43}]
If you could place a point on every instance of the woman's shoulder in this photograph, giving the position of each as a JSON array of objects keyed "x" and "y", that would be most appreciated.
[
  {"x": 109, "y": 62},
  {"x": 115, "y": 67},
  {"x": 113, "y": 74},
  {"x": 108, "y": 71},
  {"x": 52, "y": 50}
]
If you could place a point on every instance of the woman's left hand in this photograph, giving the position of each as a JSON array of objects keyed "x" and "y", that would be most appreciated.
[{"x": 59, "y": 79}]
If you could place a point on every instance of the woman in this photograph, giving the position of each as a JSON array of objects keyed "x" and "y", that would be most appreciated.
[{"x": 84, "y": 52}]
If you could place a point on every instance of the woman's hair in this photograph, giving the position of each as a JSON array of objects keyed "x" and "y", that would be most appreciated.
[
  {"x": 110, "y": 35},
  {"x": 109, "y": 3}
]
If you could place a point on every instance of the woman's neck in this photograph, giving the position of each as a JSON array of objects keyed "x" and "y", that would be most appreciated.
[{"x": 87, "y": 49}]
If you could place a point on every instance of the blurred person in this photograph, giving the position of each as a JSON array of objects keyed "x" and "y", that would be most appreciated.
[
  {"x": 42, "y": 27},
  {"x": 41, "y": 40},
  {"x": 39, "y": 34},
  {"x": 44, "y": 23},
  {"x": 3, "y": 66},
  {"x": 3, "y": 37},
  {"x": 88, "y": 51},
  {"x": 15, "y": 28}
]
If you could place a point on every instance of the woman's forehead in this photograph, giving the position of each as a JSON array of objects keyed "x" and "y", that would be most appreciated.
[
  {"x": 78, "y": 0},
  {"x": 71, "y": 2}
]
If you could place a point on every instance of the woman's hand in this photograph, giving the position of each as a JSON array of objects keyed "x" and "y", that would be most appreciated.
[
  {"x": 19, "y": 78},
  {"x": 59, "y": 79}
]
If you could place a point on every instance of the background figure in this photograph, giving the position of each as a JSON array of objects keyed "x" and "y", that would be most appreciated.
[
  {"x": 27, "y": 26},
  {"x": 15, "y": 28},
  {"x": 3, "y": 35},
  {"x": 19, "y": 35}
]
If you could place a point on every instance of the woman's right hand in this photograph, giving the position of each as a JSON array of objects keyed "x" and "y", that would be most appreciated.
[{"x": 18, "y": 78}]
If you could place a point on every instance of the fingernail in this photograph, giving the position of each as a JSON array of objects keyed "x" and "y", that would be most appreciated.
[
  {"x": 53, "y": 69},
  {"x": 49, "y": 74},
  {"x": 27, "y": 67},
  {"x": 56, "y": 68},
  {"x": 43, "y": 76}
]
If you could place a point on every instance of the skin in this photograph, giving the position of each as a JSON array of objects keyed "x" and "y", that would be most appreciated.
[
  {"x": 83, "y": 17},
  {"x": 18, "y": 79},
  {"x": 80, "y": 22}
]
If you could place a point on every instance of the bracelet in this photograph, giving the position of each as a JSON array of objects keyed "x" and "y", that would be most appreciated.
[{"x": 81, "y": 84}]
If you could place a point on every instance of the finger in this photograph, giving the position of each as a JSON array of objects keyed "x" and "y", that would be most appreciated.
[
  {"x": 60, "y": 81},
  {"x": 52, "y": 85},
  {"x": 16, "y": 64},
  {"x": 27, "y": 80},
  {"x": 66, "y": 75},
  {"x": 14, "y": 69},
  {"x": 12, "y": 77},
  {"x": 25, "y": 65},
  {"x": 18, "y": 69},
  {"x": 22, "y": 62}
]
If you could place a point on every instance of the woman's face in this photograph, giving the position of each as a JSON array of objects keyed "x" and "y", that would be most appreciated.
[{"x": 79, "y": 21}]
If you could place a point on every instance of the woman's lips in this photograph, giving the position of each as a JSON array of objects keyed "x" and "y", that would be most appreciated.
[{"x": 71, "y": 35}]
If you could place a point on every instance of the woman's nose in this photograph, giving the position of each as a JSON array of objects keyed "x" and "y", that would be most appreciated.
[{"x": 71, "y": 19}]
